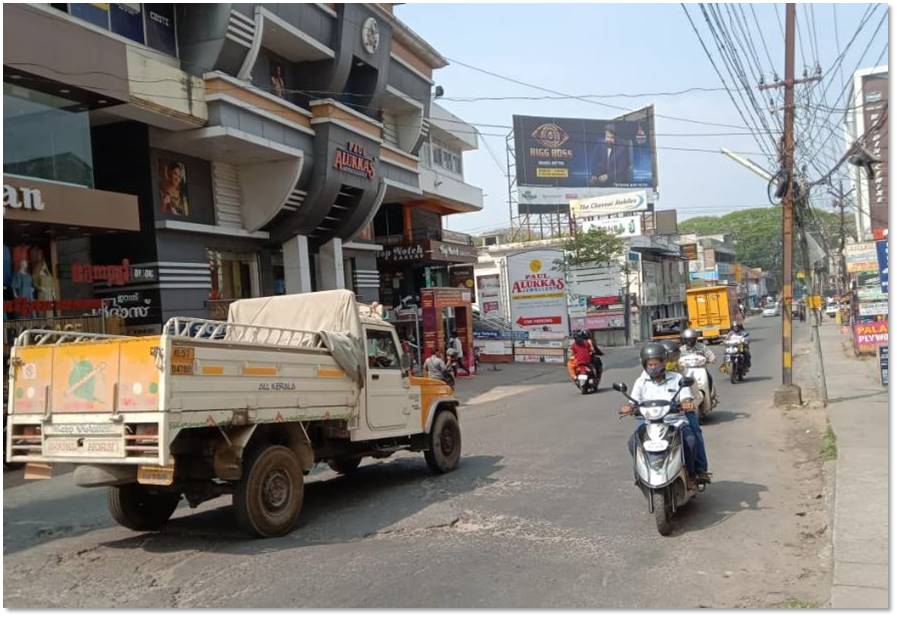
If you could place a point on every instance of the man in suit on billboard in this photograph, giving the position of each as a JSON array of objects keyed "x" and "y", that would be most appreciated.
[{"x": 612, "y": 161}]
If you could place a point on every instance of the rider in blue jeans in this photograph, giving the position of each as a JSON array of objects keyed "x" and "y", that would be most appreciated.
[{"x": 658, "y": 383}]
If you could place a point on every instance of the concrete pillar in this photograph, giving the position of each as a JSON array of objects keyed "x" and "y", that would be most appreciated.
[
  {"x": 296, "y": 265},
  {"x": 330, "y": 257}
]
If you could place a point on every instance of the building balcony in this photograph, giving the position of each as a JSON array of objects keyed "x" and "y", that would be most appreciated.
[{"x": 453, "y": 194}]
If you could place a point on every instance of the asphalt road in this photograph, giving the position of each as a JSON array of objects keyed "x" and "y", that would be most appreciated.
[{"x": 542, "y": 512}]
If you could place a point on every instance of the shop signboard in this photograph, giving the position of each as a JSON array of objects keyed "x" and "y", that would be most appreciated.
[
  {"x": 867, "y": 309},
  {"x": 462, "y": 278},
  {"x": 881, "y": 248},
  {"x": 690, "y": 251},
  {"x": 870, "y": 336},
  {"x": 617, "y": 203},
  {"x": 402, "y": 254},
  {"x": 861, "y": 257},
  {"x": 456, "y": 237},
  {"x": 538, "y": 291},
  {"x": 604, "y": 321},
  {"x": 445, "y": 251}
]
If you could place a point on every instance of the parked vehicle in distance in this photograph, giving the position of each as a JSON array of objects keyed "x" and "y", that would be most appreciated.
[{"x": 771, "y": 311}]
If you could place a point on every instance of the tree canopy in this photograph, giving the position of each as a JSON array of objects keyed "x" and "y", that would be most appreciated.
[
  {"x": 757, "y": 234},
  {"x": 595, "y": 246}
]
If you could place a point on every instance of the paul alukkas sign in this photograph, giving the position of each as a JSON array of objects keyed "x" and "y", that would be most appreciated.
[{"x": 354, "y": 159}]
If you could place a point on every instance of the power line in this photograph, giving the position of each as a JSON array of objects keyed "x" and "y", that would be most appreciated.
[{"x": 555, "y": 92}]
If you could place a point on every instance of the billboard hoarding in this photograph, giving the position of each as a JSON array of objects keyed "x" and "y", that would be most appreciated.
[
  {"x": 538, "y": 291},
  {"x": 622, "y": 226},
  {"x": 579, "y": 152}
]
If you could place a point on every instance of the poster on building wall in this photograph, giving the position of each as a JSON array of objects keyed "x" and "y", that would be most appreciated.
[
  {"x": 489, "y": 294},
  {"x": 173, "y": 196},
  {"x": 96, "y": 13},
  {"x": 127, "y": 21},
  {"x": 538, "y": 292},
  {"x": 462, "y": 278},
  {"x": 160, "y": 33}
]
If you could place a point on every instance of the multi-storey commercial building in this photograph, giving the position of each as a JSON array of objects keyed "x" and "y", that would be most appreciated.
[
  {"x": 867, "y": 118},
  {"x": 211, "y": 152}
]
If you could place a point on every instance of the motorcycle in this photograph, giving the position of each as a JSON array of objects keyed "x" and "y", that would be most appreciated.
[
  {"x": 693, "y": 364},
  {"x": 588, "y": 376},
  {"x": 659, "y": 456},
  {"x": 735, "y": 361},
  {"x": 448, "y": 376}
]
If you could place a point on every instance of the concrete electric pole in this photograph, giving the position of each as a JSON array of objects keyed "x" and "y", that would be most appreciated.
[{"x": 788, "y": 394}]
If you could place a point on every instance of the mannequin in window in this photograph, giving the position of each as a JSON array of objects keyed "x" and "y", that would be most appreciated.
[
  {"x": 23, "y": 286},
  {"x": 45, "y": 283}
]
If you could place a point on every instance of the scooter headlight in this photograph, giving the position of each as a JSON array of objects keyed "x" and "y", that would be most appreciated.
[{"x": 654, "y": 412}]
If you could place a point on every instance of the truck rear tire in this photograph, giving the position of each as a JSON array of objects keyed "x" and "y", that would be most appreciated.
[
  {"x": 344, "y": 464},
  {"x": 134, "y": 507},
  {"x": 268, "y": 498},
  {"x": 445, "y": 443}
]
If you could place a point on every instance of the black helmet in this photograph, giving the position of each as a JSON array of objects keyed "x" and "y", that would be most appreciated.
[
  {"x": 653, "y": 350},
  {"x": 671, "y": 346},
  {"x": 690, "y": 337},
  {"x": 581, "y": 335},
  {"x": 737, "y": 327}
]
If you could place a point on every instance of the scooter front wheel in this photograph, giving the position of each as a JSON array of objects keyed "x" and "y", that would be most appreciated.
[{"x": 663, "y": 513}]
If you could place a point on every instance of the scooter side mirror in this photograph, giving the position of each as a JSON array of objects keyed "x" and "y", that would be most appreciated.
[
  {"x": 686, "y": 382},
  {"x": 620, "y": 387}
]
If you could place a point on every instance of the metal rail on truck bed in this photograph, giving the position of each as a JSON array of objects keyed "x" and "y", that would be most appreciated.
[
  {"x": 45, "y": 337},
  {"x": 228, "y": 332}
]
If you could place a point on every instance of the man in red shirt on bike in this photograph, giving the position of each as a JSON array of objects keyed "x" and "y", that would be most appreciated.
[{"x": 580, "y": 352}]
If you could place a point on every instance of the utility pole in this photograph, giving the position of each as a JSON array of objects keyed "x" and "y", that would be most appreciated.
[
  {"x": 788, "y": 394},
  {"x": 810, "y": 271},
  {"x": 842, "y": 263}
]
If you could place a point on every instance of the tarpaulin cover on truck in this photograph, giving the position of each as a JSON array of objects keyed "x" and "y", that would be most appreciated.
[{"x": 333, "y": 315}]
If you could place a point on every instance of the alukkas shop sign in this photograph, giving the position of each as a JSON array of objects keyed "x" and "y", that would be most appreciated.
[{"x": 538, "y": 292}]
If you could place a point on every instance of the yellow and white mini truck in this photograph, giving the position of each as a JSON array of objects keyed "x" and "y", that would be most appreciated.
[{"x": 244, "y": 407}]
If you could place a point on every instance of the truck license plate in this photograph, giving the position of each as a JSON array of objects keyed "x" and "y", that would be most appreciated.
[
  {"x": 82, "y": 429},
  {"x": 87, "y": 447}
]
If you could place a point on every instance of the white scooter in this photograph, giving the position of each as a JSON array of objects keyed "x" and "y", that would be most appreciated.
[
  {"x": 659, "y": 456},
  {"x": 694, "y": 365}
]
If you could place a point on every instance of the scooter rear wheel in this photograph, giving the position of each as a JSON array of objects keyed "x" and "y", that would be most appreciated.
[{"x": 663, "y": 513}]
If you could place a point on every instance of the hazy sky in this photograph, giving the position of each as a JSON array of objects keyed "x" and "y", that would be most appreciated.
[{"x": 588, "y": 49}]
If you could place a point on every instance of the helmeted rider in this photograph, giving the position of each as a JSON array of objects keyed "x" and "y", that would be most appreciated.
[
  {"x": 691, "y": 345},
  {"x": 581, "y": 352},
  {"x": 738, "y": 329},
  {"x": 657, "y": 383}
]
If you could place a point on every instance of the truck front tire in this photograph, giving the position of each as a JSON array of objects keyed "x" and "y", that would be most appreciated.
[
  {"x": 445, "y": 443},
  {"x": 268, "y": 498},
  {"x": 134, "y": 507}
]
